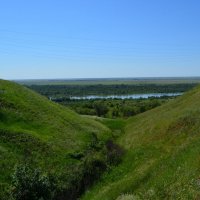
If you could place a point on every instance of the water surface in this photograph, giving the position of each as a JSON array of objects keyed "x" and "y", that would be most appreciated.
[{"x": 131, "y": 96}]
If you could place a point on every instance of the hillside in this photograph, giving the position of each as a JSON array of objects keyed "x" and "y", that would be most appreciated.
[
  {"x": 45, "y": 134},
  {"x": 162, "y": 158}
]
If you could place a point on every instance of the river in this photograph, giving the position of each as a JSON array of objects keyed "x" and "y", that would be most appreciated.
[{"x": 131, "y": 96}]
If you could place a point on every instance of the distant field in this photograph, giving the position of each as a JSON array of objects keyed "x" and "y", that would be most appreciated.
[{"x": 111, "y": 81}]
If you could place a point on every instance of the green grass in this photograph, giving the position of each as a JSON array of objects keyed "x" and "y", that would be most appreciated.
[
  {"x": 115, "y": 125},
  {"x": 162, "y": 158},
  {"x": 36, "y": 129}
]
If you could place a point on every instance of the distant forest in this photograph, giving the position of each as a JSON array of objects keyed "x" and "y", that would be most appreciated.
[{"x": 102, "y": 89}]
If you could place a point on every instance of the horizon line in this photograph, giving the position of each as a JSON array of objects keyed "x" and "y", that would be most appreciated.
[{"x": 106, "y": 78}]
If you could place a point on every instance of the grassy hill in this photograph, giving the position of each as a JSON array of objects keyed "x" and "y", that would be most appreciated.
[
  {"x": 162, "y": 158},
  {"x": 45, "y": 134}
]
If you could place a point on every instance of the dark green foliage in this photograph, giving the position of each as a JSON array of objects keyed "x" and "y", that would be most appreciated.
[
  {"x": 100, "y": 109},
  {"x": 82, "y": 177},
  {"x": 114, "y": 108},
  {"x": 76, "y": 155},
  {"x": 2, "y": 116},
  {"x": 31, "y": 184}
]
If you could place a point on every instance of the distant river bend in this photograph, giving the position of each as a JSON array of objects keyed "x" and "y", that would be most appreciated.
[{"x": 131, "y": 96}]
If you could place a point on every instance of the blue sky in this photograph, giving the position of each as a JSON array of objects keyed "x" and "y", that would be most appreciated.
[{"x": 99, "y": 38}]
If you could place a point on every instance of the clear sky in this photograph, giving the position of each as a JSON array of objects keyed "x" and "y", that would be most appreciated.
[{"x": 99, "y": 38}]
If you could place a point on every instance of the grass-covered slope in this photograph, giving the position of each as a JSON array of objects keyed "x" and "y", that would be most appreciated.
[
  {"x": 162, "y": 158},
  {"x": 36, "y": 129}
]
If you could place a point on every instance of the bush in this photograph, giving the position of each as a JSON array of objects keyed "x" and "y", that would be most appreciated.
[{"x": 31, "y": 184}]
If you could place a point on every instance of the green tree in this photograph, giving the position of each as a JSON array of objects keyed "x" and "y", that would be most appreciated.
[{"x": 100, "y": 108}]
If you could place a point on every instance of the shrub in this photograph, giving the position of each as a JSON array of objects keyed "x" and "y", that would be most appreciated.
[{"x": 31, "y": 184}]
